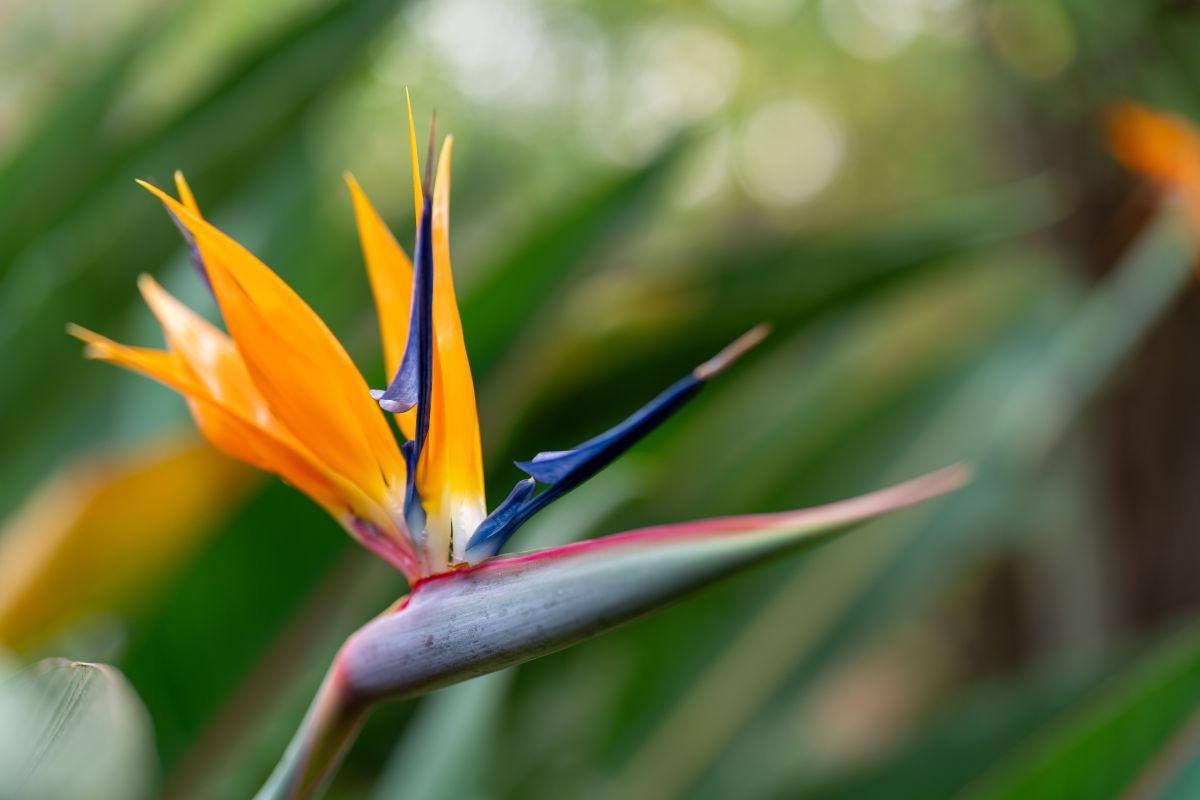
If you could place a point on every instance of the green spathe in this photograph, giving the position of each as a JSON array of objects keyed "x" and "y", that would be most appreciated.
[{"x": 509, "y": 610}]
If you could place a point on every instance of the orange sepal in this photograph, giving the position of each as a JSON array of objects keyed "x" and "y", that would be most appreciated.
[
  {"x": 296, "y": 363},
  {"x": 230, "y": 432},
  {"x": 455, "y": 448}
]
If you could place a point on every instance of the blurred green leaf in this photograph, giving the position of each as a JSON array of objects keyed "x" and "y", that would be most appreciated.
[
  {"x": 1100, "y": 747},
  {"x": 215, "y": 136},
  {"x": 1177, "y": 769},
  {"x": 443, "y": 755},
  {"x": 266, "y": 560},
  {"x": 54, "y": 166},
  {"x": 551, "y": 253},
  {"x": 71, "y": 729},
  {"x": 959, "y": 745}
]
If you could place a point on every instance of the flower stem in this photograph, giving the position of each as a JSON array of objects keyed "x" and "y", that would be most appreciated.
[{"x": 330, "y": 726}]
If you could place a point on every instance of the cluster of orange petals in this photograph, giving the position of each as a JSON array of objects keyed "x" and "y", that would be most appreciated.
[{"x": 280, "y": 392}]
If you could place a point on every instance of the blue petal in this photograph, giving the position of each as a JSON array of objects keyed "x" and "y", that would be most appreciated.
[
  {"x": 563, "y": 470},
  {"x": 494, "y": 531},
  {"x": 413, "y": 384},
  {"x": 414, "y": 511},
  {"x": 581, "y": 462},
  {"x": 414, "y": 379}
]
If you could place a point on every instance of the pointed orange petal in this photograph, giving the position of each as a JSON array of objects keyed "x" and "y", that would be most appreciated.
[
  {"x": 260, "y": 442},
  {"x": 185, "y": 194},
  {"x": 299, "y": 367},
  {"x": 166, "y": 368},
  {"x": 230, "y": 411},
  {"x": 208, "y": 351},
  {"x": 390, "y": 273},
  {"x": 454, "y": 427},
  {"x": 418, "y": 194},
  {"x": 233, "y": 435}
]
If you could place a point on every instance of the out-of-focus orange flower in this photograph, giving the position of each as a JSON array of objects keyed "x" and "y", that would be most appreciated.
[
  {"x": 103, "y": 529},
  {"x": 1163, "y": 147}
]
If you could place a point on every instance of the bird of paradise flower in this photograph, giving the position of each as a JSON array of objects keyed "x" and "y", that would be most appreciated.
[{"x": 280, "y": 392}]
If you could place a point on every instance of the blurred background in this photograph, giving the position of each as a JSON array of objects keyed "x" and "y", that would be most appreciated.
[{"x": 916, "y": 193}]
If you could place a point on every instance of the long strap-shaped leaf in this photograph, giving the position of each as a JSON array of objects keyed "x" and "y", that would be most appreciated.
[{"x": 506, "y": 611}]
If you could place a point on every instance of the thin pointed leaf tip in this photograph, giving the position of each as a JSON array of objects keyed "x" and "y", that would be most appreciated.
[{"x": 276, "y": 389}]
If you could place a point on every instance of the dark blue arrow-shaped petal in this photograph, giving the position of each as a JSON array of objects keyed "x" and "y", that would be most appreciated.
[
  {"x": 413, "y": 382},
  {"x": 563, "y": 470}
]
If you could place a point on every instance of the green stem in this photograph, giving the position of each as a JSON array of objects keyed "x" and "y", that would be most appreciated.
[{"x": 329, "y": 727}]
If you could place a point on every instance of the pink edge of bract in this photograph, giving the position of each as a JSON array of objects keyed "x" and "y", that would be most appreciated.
[{"x": 862, "y": 507}]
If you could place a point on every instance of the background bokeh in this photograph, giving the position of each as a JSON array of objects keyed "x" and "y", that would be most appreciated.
[{"x": 915, "y": 193}]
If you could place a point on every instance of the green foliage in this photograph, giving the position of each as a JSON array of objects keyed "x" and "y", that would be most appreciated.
[
  {"x": 1135, "y": 732},
  {"x": 938, "y": 300}
]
